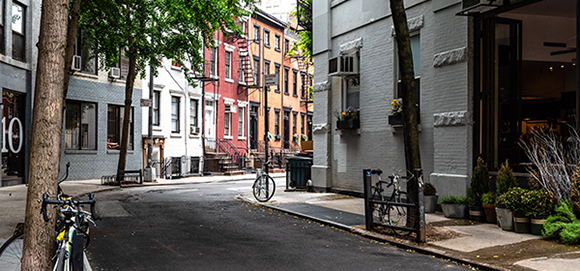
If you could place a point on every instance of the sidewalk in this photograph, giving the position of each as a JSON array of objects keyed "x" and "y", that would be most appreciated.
[{"x": 484, "y": 246}]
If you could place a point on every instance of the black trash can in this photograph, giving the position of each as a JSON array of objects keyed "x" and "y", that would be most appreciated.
[{"x": 298, "y": 171}]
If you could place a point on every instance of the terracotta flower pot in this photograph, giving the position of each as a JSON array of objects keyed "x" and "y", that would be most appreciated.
[{"x": 490, "y": 214}]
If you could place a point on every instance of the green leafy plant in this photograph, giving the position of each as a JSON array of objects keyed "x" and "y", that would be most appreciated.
[
  {"x": 489, "y": 198},
  {"x": 500, "y": 202},
  {"x": 479, "y": 183},
  {"x": 429, "y": 189},
  {"x": 451, "y": 199},
  {"x": 505, "y": 179},
  {"x": 304, "y": 138},
  {"x": 517, "y": 200},
  {"x": 564, "y": 224},
  {"x": 540, "y": 203}
]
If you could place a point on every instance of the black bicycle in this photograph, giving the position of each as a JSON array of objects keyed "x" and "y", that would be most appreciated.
[{"x": 399, "y": 211}]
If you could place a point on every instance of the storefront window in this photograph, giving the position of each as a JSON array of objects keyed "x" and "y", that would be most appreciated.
[{"x": 13, "y": 135}]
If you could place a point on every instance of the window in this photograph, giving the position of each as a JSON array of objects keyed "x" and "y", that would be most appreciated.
[
  {"x": 227, "y": 120},
  {"x": 115, "y": 118},
  {"x": 88, "y": 61},
  {"x": 213, "y": 61},
  {"x": 80, "y": 126},
  {"x": 286, "y": 46},
  {"x": 123, "y": 65},
  {"x": 295, "y": 84},
  {"x": 277, "y": 122},
  {"x": 241, "y": 116},
  {"x": 256, "y": 34},
  {"x": 302, "y": 124},
  {"x": 256, "y": 70},
  {"x": 193, "y": 105},
  {"x": 267, "y": 71},
  {"x": 277, "y": 71},
  {"x": 416, "y": 50},
  {"x": 155, "y": 108},
  {"x": 175, "y": 103},
  {"x": 243, "y": 27},
  {"x": 267, "y": 38},
  {"x": 303, "y": 85},
  {"x": 2, "y": 27},
  {"x": 277, "y": 43},
  {"x": 18, "y": 27},
  {"x": 228, "y": 65},
  {"x": 294, "y": 121},
  {"x": 286, "y": 71}
]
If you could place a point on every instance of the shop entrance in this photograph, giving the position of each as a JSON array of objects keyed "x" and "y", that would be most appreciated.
[
  {"x": 527, "y": 78},
  {"x": 13, "y": 138}
]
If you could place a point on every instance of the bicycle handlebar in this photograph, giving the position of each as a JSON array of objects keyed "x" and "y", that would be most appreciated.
[{"x": 91, "y": 201}]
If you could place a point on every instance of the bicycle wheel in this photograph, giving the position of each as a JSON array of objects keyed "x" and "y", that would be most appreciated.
[
  {"x": 264, "y": 188},
  {"x": 402, "y": 216},
  {"x": 11, "y": 252},
  {"x": 379, "y": 210}
]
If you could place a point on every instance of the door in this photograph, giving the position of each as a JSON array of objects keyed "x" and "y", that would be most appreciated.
[
  {"x": 500, "y": 125},
  {"x": 287, "y": 129},
  {"x": 254, "y": 128},
  {"x": 209, "y": 125}
]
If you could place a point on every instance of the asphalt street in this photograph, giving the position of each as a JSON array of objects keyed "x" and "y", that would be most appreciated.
[{"x": 205, "y": 227}]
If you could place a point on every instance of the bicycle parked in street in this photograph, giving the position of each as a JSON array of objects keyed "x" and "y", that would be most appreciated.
[
  {"x": 71, "y": 233},
  {"x": 264, "y": 187},
  {"x": 396, "y": 210}
]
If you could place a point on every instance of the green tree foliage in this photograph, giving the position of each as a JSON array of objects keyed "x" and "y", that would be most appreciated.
[
  {"x": 304, "y": 45},
  {"x": 479, "y": 183}
]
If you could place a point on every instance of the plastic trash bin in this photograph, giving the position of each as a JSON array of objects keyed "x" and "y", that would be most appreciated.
[{"x": 298, "y": 171}]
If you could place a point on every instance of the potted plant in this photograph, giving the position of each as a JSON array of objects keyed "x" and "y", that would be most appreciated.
[
  {"x": 348, "y": 119},
  {"x": 430, "y": 193},
  {"x": 479, "y": 186},
  {"x": 540, "y": 207},
  {"x": 454, "y": 206},
  {"x": 505, "y": 217},
  {"x": 517, "y": 200},
  {"x": 488, "y": 200},
  {"x": 396, "y": 112},
  {"x": 504, "y": 181}
]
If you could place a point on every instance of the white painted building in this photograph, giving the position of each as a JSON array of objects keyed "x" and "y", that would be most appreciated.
[
  {"x": 486, "y": 74},
  {"x": 177, "y": 120}
]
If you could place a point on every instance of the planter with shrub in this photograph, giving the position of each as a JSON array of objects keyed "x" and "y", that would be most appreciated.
[
  {"x": 454, "y": 206},
  {"x": 504, "y": 181},
  {"x": 430, "y": 193},
  {"x": 505, "y": 218},
  {"x": 479, "y": 186},
  {"x": 488, "y": 200},
  {"x": 517, "y": 201},
  {"x": 540, "y": 207}
]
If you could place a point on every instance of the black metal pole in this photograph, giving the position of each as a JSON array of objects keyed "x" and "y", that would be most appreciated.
[{"x": 367, "y": 177}]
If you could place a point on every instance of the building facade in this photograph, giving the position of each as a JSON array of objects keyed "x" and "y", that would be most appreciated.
[{"x": 486, "y": 76}]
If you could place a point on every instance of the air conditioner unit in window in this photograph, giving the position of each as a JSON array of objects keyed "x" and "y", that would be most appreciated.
[
  {"x": 479, "y": 6},
  {"x": 230, "y": 108},
  {"x": 76, "y": 63},
  {"x": 115, "y": 73},
  {"x": 343, "y": 65},
  {"x": 194, "y": 130}
]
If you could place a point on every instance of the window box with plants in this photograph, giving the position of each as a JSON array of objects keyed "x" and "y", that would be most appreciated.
[
  {"x": 454, "y": 206},
  {"x": 396, "y": 113},
  {"x": 430, "y": 193},
  {"x": 348, "y": 119}
]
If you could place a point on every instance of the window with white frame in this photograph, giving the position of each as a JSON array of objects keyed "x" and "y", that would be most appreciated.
[
  {"x": 277, "y": 121},
  {"x": 277, "y": 43},
  {"x": 286, "y": 46},
  {"x": 175, "y": 116},
  {"x": 257, "y": 33},
  {"x": 286, "y": 72},
  {"x": 267, "y": 71},
  {"x": 18, "y": 31},
  {"x": 228, "y": 65},
  {"x": 88, "y": 60},
  {"x": 277, "y": 72},
  {"x": 266, "y": 37},
  {"x": 213, "y": 61},
  {"x": 241, "y": 118},
  {"x": 155, "y": 107},
  {"x": 227, "y": 120},
  {"x": 295, "y": 83},
  {"x": 193, "y": 107}
]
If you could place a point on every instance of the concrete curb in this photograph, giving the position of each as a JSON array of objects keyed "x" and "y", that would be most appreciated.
[{"x": 366, "y": 234}]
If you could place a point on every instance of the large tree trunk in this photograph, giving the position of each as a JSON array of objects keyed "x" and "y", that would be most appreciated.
[
  {"x": 410, "y": 131},
  {"x": 73, "y": 27},
  {"x": 127, "y": 114},
  {"x": 46, "y": 134}
]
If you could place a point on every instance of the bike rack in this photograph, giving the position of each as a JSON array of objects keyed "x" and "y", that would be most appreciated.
[{"x": 419, "y": 207}]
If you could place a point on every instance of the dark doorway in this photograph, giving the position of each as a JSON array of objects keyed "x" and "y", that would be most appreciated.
[
  {"x": 254, "y": 127},
  {"x": 286, "y": 129}
]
